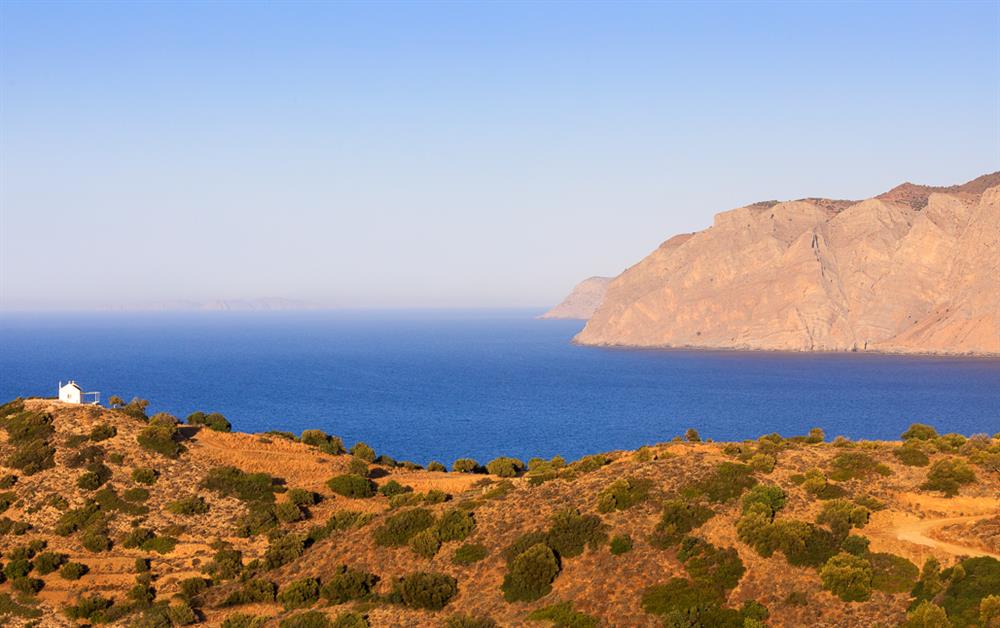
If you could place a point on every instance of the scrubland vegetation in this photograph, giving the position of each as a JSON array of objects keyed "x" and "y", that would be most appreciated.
[{"x": 116, "y": 517}]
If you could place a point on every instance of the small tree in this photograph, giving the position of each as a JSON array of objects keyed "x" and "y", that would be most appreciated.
[
  {"x": 927, "y": 614},
  {"x": 692, "y": 435},
  {"x": 531, "y": 575},
  {"x": 848, "y": 577}
]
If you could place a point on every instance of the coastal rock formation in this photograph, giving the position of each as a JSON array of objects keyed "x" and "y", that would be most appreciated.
[
  {"x": 583, "y": 301},
  {"x": 914, "y": 270}
]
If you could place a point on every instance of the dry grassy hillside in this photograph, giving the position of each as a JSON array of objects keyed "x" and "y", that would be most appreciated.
[{"x": 110, "y": 516}]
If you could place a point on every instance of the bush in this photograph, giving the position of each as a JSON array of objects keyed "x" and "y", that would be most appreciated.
[
  {"x": 287, "y": 512},
  {"x": 853, "y": 465},
  {"x": 726, "y": 482},
  {"x": 95, "y": 477},
  {"x": 299, "y": 594},
  {"x": 562, "y": 614},
  {"x": 848, "y": 577},
  {"x": 455, "y": 525},
  {"x": 95, "y": 539},
  {"x": 816, "y": 435},
  {"x": 309, "y": 619},
  {"x": 968, "y": 583},
  {"x": 103, "y": 432},
  {"x": 891, "y": 573},
  {"x": 434, "y": 465},
  {"x": 679, "y": 517},
  {"x": 398, "y": 529},
  {"x": 948, "y": 476},
  {"x": 47, "y": 562},
  {"x": 505, "y": 467},
  {"x": 692, "y": 436},
  {"x": 469, "y": 621},
  {"x": 247, "y": 487},
  {"x": 927, "y": 615},
  {"x": 426, "y": 543},
  {"x": 364, "y": 452},
  {"x": 350, "y": 619},
  {"x": 29, "y": 432},
  {"x": 135, "y": 495},
  {"x": 160, "y": 439},
  {"x": 392, "y": 487},
  {"x": 88, "y": 607},
  {"x": 763, "y": 462},
  {"x": 621, "y": 544},
  {"x": 842, "y": 515},
  {"x": 919, "y": 431},
  {"x": 193, "y": 505},
  {"x": 253, "y": 591},
  {"x": 73, "y": 571},
  {"x": 570, "y": 532},
  {"x": 911, "y": 456},
  {"x": 466, "y": 465},
  {"x": 352, "y": 485},
  {"x": 708, "y": 564},
  {"x": 181, "y": 614},
  {"x": 283, "y": 549},
  {"x": 144, "y": 475},
  {"x": 214, "y": 421},
  {"x": 346, "y": 585},
  {"x": 302, "y": 497},
  {"x": 531, "y": 574},
  {"x": 770, "y": 495},
  {"x": 432, "y": 591},
  {"x": 623, "y": 494},
  {"x": 192, "y": 587},
  {"x": 694, "y": 604},
  {"x": 243, "y": 620},
  {"x": 469, "y": 553}
]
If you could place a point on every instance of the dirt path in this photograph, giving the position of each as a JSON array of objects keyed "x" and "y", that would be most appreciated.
[{"x": 916, "y": 531}]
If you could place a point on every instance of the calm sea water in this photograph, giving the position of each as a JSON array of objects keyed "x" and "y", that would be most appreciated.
[{"x": 441, "y": 385}]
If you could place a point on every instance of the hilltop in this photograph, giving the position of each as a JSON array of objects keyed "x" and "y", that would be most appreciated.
[
  {"x": 113, "y": 516},
  {"x": 583, "y": 301},
  {"x": 913, "y": 270}
]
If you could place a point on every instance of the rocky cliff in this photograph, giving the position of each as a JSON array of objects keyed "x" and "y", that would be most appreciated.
[
  {"x": 583, "y": 301},
  {"x": 914, "y": 270}
]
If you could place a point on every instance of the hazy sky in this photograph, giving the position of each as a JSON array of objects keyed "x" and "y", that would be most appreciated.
[{"x": 452, "y": 154}]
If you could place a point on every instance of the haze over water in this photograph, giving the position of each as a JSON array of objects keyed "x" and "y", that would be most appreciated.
[{"x": 447, "y": 384}]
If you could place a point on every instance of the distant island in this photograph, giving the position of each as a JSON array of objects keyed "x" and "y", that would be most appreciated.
[
  {"x": 583, "y": 301},
  {"x": 913, "y": 270},
  {"x": 124, "y": 517}
]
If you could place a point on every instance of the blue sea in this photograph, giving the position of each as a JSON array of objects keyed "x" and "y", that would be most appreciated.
[{"x": 441, "y": 385}]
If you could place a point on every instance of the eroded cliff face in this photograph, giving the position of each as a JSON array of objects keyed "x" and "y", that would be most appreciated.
[
  {"x": 583, "y": 301},
  {"x": 915, "y": 270}
]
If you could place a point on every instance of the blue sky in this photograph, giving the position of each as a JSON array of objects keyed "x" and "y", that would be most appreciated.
[{"x": 451, "y": 154}]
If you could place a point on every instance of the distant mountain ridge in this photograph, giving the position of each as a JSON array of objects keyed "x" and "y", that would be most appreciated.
[
  {"x": 583, "y": 301},
  {"x": 913, "y": 270}
]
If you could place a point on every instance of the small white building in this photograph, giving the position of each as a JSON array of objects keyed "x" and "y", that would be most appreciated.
[{"x": 70, "y": 392}]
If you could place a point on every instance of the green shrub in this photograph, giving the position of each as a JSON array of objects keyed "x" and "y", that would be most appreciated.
[
  {"x": 848, "y": 577},
  {"x": 7, "y": 500},
  {"x": 7, "y": 481},
  {"x": 621, "y": 544},
  {"x": 623, "y": 494},
  {"x": 247, "y": 487},
  {"x": 364, "y": 452},
  {"x": 103, "y": 431},
  {"x": 32, "y": 457},
  {"x": 763, "y": 462},
  {"x": 708, "y": 564},
  {"x": 857, "y": 545},
  {"x": 160, "y": 544},
  {"x": 181, "y": 614},
  {"x": 679, "y": 517},
  {"x": 816, "y": 484},
  {"x": 505, "y": 467},
  {"x": 563, "y": 615},
  {"x": 948, "y": 476},
  {"x": 398, "y": 529},
  {"x": 816, "y": 435},
  {"x": 852, "y": 465},
  {"x": 193, "y": 505},
  {"x": 28, "y": 433},
  {"x": 160, "y": 439},
  {"x": 214, "y": 421},
  {"x": 95, "y": 539},
  {"x": 299, "y": 594},
  {"x": 308, "y": 619},
  {"x": 27, "y": 586},
  {"x": 434, "y": 465},
  {"x": 73, "y": 571},
  {"x": 352, "y": 485},
  {"x": 47, "y": 562},
  {"x": 968, "y": 583},
  {"x": 17, "y": 568},
  {"x": 927, "y": 615},
  {"x": 432, "y": 591},
  {"x": 989, "y": 611},
  {"x": 243, "y": 620},
  {"x": 692, "y": 436},
  {"x": 571, "y": 531},
  {"x": 466, "y": 465},
  {"x": 302, "y": 497},
  {"x": 226, "y": 563},
  {"x": 770, "y": 495},
  {"x": 87, "y": 607},
  {"x": 687, "y": 603},
  {"x": 919, "y": 431},
  {"x": 590, "y": 463},
  {"x": 346, "y": 585},
  {"x": 255, "y": 590},
  {"x": 455, "y": 525},
  {"x": 842, "y": 515},
  {"x": 911, "y": 456},
  {"x": 426, "y": 543},
  {"x": 469, "y": 621},
  {"x": 136, "y": 495},
  {"x": 283, "y": 548},
  {"x": 469, "y": 553},
  {"x": 287, "y": 512},
  {"x": 891, "y": 573},
  {"x": 144, "y": 475},
  {"x": 392, "y": 487},
  {"x": 531, "y": 574},
  {"x": 357, "y": 466},
  {"x": 192, "y": 587},
  {"x": 95, "y": 477},
  {"x": 726, "y": 482}
]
